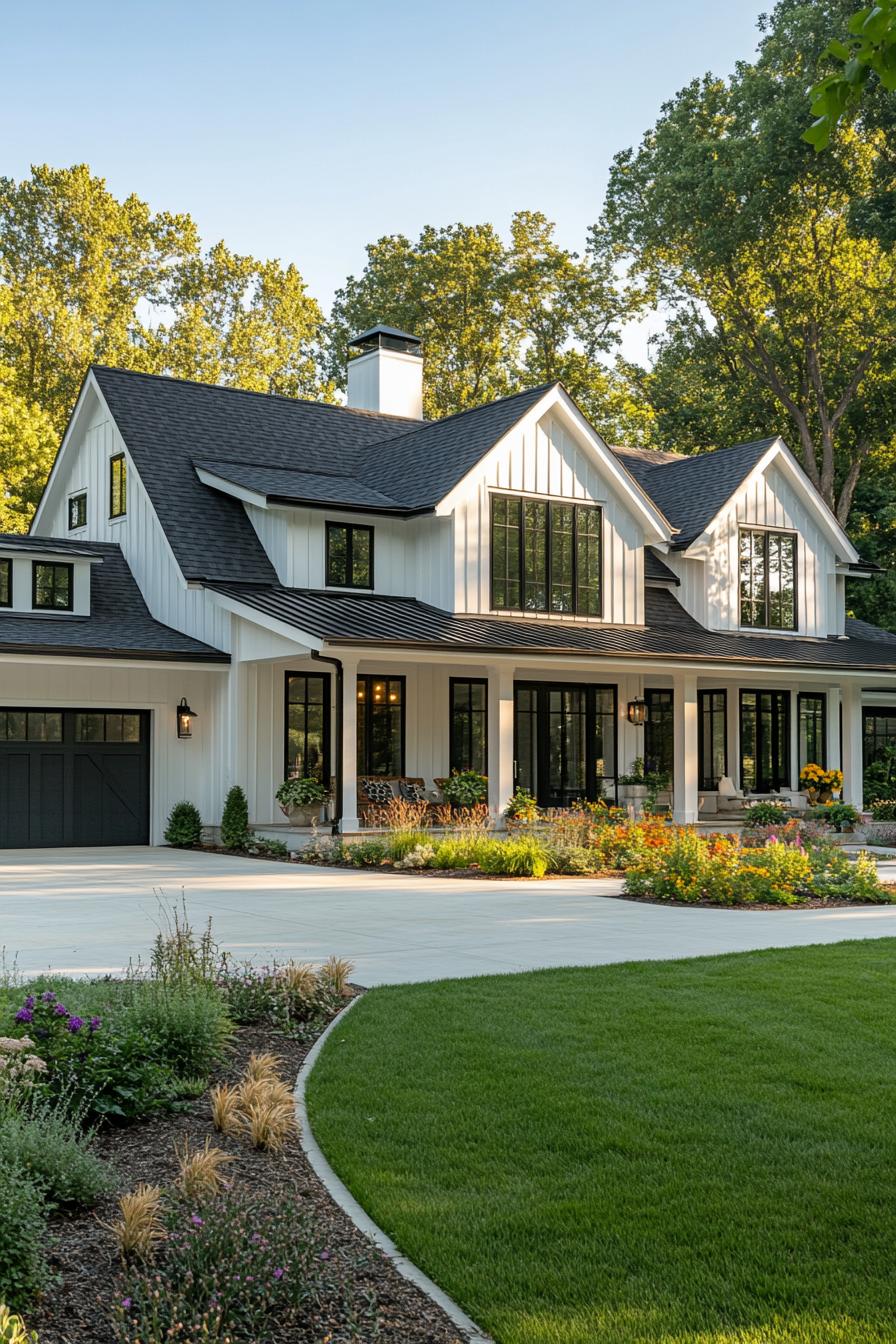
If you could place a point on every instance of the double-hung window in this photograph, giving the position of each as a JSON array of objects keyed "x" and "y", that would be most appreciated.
[
  {"x": 545, "y": 556},
  {"x": 5, "y": 583},
  {"x": 767, "y": 579},
  {"x": 349, "y": 556},
  {"x": 52, "y": 586},
  {"x": 469, "y": 724},
  {"x": 118, "y": 486}
]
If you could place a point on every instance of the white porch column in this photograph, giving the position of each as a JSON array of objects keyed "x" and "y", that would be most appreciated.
[
  {"x": 832, "y": 730},
  {"x": 349, "y": 820},
  {"x": 685, "y": 796},
  {"x": 851, "y": 761},
  {"x": 500, "y": 739}
]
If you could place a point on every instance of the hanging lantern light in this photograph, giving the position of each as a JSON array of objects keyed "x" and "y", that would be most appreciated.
[
  {"x": 185, "y": 717},
  {"x": 637, "y": 711}
]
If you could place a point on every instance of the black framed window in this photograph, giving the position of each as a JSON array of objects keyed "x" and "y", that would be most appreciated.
[
  {"x": 767, "y": 579},
  {"x": 878, "y": 731},
  {"x": 712, "y": 723},
  {"x": 812, "y": 713},
  {"x": 118, "y": 486},
  {"x": 764, "y": 741},
  {"x": 564, "y": 741},
  {"x": 381, "y": 725},
  {"x": 545, "y": 556},
  {"x": 5, "y": 583},
  {"x": 349, "y": 556},
  {"x": 52, "y": 586},
  {"x": 659, "y": 732},
  {"x": 77, "y": 511},
  {"x": 30, "y": 725},
  {"x": 111, "y": 727},
  {"x": 469, "y": 724},
  {"x": 307, "y": 750}
]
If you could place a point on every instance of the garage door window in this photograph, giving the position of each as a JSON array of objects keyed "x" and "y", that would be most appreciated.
[
  {"x": 107, "y": 727},
  {"x": 20, "y": 725}
]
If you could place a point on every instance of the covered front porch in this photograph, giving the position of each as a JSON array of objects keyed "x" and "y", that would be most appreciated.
[{"x": 564, "y": 728}]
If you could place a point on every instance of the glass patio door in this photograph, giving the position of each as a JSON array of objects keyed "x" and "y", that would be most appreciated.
[
  {"x": 565, "y": 741},
  {"x": 764, "y": 741}
]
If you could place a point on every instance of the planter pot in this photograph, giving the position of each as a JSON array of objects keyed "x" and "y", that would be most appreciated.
[
  {"x": 633, "y": 796},
  {"x": 303, "y": 816},
  {"x": 825, "y": 796}
]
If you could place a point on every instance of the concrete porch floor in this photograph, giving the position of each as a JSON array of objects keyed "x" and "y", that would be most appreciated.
[{"x": 90, "y": 911}]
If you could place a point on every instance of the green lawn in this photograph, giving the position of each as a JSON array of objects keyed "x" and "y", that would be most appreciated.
[{"x": 699, "y": 1151}]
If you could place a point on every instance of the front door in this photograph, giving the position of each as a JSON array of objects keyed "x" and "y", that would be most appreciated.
[
  {"x": 764, "y": 741},
  {"x": 565, "y": 741}
]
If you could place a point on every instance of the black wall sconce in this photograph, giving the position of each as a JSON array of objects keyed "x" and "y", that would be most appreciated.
[
  {"x": 185, "y": 717},
  {"x": 637, "y": 711}
]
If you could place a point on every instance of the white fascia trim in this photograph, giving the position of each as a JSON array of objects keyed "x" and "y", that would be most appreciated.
[
  {"x": 266, "y": 622},
  {"x": 151, "y": 664},
  {"x": 70, "y": 557},
  {"x": 657, "y": 528},
  {"x": 89, "y": 384},
  {"x": 778, "y": 451},
  {"x": 230, "y": 488}
]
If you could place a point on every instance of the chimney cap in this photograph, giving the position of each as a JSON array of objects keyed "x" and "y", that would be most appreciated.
[{"x": 387, "y": 338}]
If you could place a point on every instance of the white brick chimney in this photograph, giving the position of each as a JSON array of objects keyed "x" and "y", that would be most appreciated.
[{"x": 387, "y": 373}]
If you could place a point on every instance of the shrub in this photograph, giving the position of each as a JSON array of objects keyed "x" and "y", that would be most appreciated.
[
  {"x": 521, "y": 807},
  {"x": 465, "y": 788},
  {"x": 368, "y": 854},
  {"x": 766, "y": 814},
  {"x": 23, "y": 1266},
  {"x": 235, "y": 820},
  {"x": 184, "y": 828},
  {"x": 521, "y": 857},
  {"x": 692, "y": 868},
  {"x": 577, "y": 860},
  {"x": 20, "y": 1069},
  {"x": 460, "y": 851},
  {"x": 271, "y": 849},
  {"x": 13, "y": 1330},
  {"x": 186, "y": 1025},
  {"x": 231, "y": 1267},
  {"x": 884, "y": 810},
  {"x": 402, "y": 843},
  {"x": 419, "y": 857},
  {"x": 293, "y": 997},
  {"x": 323, "y": 849},
  {"x": 841, "y": 815},
  {"x": 841, "y": 879},
  {"x": 54, "y": 1153},
  {"x": 121, "y": 1078}
]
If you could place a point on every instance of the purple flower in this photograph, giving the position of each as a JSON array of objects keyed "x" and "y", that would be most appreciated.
[
  {"x": 278, "y": 1273},
  {"x": 325, "y": 1255},
  {"x": 74, "y": 1024},
  {"x": 60, "y": 1010},
  {"x": 29, "y": 1002},
  {"x": 48, "y": 996},
  {"x": 24, "y": 1015},
  {"x": 125, "y": 1301},
  {"x": 195, "y": 1220},
  {"x": 95, "y": 1023}
]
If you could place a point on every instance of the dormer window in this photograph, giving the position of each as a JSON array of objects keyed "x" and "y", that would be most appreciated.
[
  {"x": 77, "y": 511},
  {"x": 118, "y": 486},
  {"x": 545, "y": 556},
  {"x": 767, "y": 579},
  {"x": 349, "y": 556},
  {"x": 52, "y": 586},
  {"x": 5, "y": 583}
]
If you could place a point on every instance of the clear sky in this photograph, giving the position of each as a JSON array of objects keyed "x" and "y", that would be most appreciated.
[{"x": 305, "y": 130}]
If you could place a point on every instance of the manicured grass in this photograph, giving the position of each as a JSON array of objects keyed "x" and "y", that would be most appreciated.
[{"x": 698, "y": 1151}]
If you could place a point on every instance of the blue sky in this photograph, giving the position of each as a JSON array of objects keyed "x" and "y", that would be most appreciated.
[{"x": 303, "y": 131}]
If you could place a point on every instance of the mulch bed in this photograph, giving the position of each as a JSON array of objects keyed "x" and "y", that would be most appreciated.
[{"x": 84, "y": 1254}]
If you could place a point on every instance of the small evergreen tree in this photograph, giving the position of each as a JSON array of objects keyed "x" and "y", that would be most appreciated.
[
  {"x": 235, "y": 820},
  {"x": 184, "y": 826}
]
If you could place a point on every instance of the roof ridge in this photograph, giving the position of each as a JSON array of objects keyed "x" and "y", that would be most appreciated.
[
  {"x": 682, "y": 458},
  {"x": 268, "y": 466},
  {"x": 472, "y": 410}
]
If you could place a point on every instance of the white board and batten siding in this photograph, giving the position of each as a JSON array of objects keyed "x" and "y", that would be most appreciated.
[
  {"x": 710, "y": 587},
  {"x": 547, "y": 461},
  {"x": 138, "y": 532}
]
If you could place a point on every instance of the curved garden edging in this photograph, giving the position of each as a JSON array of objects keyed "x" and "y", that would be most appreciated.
[{"x": 341, "y": 1194}]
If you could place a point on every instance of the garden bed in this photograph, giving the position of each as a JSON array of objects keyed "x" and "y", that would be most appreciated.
[{"x": 372, "y": 1297}]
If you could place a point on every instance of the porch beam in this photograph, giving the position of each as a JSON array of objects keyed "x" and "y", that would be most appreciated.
[{"x": 685, "y": 790}]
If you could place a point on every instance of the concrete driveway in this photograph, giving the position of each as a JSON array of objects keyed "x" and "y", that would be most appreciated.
[{"x": 86, "y": 910}]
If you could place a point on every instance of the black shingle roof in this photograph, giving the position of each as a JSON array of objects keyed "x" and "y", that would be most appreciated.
[
  {"x": 656, "y": 569},
  {"x": 16, "y": 541},
  {"x": 119, "y": 624},
  {"x": 670, "y": 632}
]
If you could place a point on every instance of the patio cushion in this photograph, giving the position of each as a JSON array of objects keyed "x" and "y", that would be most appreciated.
[
  {"x": 411, "y": 791},
  {"x": 378, "y": 790}
]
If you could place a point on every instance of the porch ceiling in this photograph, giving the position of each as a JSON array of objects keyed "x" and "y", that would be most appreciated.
[{"x": 364, "y": 620}]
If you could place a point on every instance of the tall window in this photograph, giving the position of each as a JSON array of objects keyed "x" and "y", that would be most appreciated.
[
  {"x": 767, "y": 579},
  {"x": 658, "y": 732},
  {"x": 118, "y": 486},
  {"x": 564, "y": 741},
  {"x": 469, "y": 725},
  {"x": 545, "y": 556},
  {"x": 77, "y": 511},
  {"x": 381, "y": 726},
  {"x": 712, "y": 737},
  {"x": 878, "y": 731},
  {"x": 349, "y": 556},
  {"x": 52, "y": 586},
  {"x": 5, "y": 583},
  {"x": 307, "y": 725},
  {"x": 812, "y": 728},
  {"x": 764, "y": 741}
]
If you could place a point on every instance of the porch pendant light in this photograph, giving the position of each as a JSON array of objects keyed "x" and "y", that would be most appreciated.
[
  {"x": 637, "y": 711},
  {"x": 185, "y": 717}
]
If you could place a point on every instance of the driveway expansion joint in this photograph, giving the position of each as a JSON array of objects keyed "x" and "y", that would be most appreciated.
[{"x": 341, "y": 1195}]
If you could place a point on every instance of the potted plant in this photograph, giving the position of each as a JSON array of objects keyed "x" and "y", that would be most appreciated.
[
  {"x": 465, "y": 788},
  {"x": 657, "y": 782},
  {"x": 820, "y": 784},
  {"x": 301, "y": 799},
  {"x": 633, "y": 786},
  {"x": 522, "y": 809},
  {"x": 842, "y": 816}
]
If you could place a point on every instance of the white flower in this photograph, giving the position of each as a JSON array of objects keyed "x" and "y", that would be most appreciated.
[
  {"x": 35, "y": 1063},
  {"x": 13, "y": 1044}
]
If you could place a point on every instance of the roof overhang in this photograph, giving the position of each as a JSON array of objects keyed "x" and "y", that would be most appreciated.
[{"x": 779, "y": 454}]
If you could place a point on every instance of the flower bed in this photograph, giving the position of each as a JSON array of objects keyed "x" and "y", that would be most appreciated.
[{"x": 188, "y": 1212}]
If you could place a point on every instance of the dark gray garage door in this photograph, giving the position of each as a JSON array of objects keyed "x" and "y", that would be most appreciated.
[{"x": 73, "y": 777}]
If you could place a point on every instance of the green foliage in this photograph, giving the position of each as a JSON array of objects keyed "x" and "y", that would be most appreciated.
[
  {"x": 839, "y": 878},
  {"x": 235, "y": 820},
  {"x": 272, "y": 849},
  {"x": 184, "y": 828},
  {"x": 765, "y": 814},
  {"x": 697, "y": 869},
  {"x": 55, "y": 1153},
  {"x": 402, "y": 843},
  {"x": 879, "y": 779},
  {"x": 869, "y": 50},
  {"x": 121, "y": 1079},
  {"x": 460, "y": 851},
  {"x": 306, "y": 791},
  {"x": 521, "y": 856},
  {"x": 186, "y": 1025},
  {"x": 884, "y": 809},
  {"x": 465, "y": 788},
  {"x": 13, "y": 1329},
  {"x": 522, "y": 806},
  {"x": 840, "y": 815},
  {"x": 576, "y": 860},
  {"x": 23, "y": 1266},
  {"x": 367, "y": 853}
]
